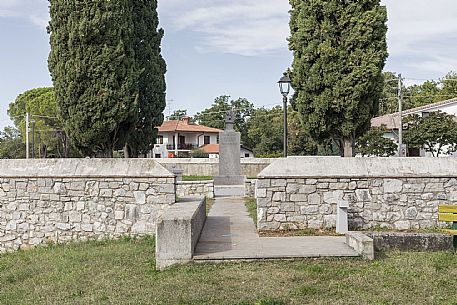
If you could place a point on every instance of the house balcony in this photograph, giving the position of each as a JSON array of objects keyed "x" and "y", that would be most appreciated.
[{"x": 181, "y": 146}]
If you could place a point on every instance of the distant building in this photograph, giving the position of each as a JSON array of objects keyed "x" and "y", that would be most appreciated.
[
  {"x": 392, "y": 121},
  {"x": 213, "y": 151},
  {"x": 179, "y": 137}
]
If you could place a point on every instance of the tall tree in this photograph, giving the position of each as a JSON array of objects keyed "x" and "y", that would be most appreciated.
[
  {"x": 94, "y": 70},
  {"x": 339, "y": 50},
  {"x": 177, "y": 114},
  {"x": 40, "y": 103},
  {"x": 214, "y": 116},
  {"x": 151, "y": 99}
]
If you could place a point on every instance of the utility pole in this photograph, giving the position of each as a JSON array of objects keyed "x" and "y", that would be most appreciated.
[
  {"x": 400, "y": 114},
  {"x": 27, "y": 128},
  {"x": 33, "y": 139}
]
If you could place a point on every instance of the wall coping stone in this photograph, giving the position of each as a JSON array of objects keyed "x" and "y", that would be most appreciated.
[
  {"x": 195, "y": 182},
  {"x": 83, "y": 168},
  {"x": 213, "y": 160},
  {"x": 338, "y": 167}
]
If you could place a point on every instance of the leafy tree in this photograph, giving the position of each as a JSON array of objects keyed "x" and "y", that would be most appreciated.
[
  {"x": 178, "y": 114},
  {"x": 151, "y": 98},
  {"x": 448, "y": 86},
  {"x": 214, "y": 116},
  {"x": 339, "y": 50},
  {"x": 373, "y": 143},
  {"x": 95, "y": 72},
  {"x": 266, "y": 133},
  {"x": 41, "y": 104},
  {"x": 436, "y": 133},
  {"x": 11, "y": 144}
]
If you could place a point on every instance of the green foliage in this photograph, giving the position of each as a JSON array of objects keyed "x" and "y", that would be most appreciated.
[
  {"x": 436, "y": 133},
  {"x": 199, "y": 153},
  {"x": 11, "y": 144},
  {"x": 41, "y": 104},
  {"x": 151, "y": 98},
  {"x": 339, "y": 52},
  {"x": 416, "y": 95},
  {"x": 373, "y": 143},
  {"x": 266, "y": 133},
  {"x": 108, "y": 73},
  {"x": 177, "y": 115},
  {"x": 214, "y": 116}
]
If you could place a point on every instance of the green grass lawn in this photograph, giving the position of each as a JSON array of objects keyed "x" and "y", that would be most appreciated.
[
  {"x": 122, "y": 272},
  {"x": 251, "y": 205}
]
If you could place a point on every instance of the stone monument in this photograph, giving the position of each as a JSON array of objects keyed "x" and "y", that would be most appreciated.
[{"x": 230, "y": 182}]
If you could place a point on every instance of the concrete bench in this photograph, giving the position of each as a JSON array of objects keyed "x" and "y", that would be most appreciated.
[{"x": 178, "y": 231}]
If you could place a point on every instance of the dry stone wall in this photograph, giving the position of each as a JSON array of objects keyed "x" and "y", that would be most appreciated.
[
  {"x": 195, "y": 188},
  {"x": 46, "y": 205},
  {"x": 407, "y": 200}
]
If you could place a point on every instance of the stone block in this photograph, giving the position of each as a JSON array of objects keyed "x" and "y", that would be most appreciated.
[
  {"x": 393, "y": 185},
  {"x": 178, "y": 231},
  {"x": 307, "y": 189},
  {"x": 333, "y": 196},
  {"x": 363, "y": 195},
  {"x": 140, "y": 197},
  {"x": 298, "y": 197},
  {"x": 314, "y": 199},
  {"x": 309, "y": 210}
]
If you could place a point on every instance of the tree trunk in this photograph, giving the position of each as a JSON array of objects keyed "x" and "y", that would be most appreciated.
[
  {"x": 348, "y": 147},
  {"x": 126, "y": 151}
]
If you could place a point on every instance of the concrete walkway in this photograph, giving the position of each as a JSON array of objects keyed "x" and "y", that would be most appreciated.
[{"x": 230, "y": 234}]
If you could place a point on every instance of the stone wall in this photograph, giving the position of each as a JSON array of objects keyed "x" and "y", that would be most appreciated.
[
  {"x": 43, "y": 201},
  {"x": 195, "y": 188},
  {"x": 250, "y": 167},
  {"x": 206, "y": 188},
  {"x": 391, "y": 192}
]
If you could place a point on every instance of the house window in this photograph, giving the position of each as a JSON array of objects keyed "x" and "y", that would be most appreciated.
[
  {"x": 246, "y": 155},
  {"x": 159, "y": 139},
  {"x": 207, "y": 140}
]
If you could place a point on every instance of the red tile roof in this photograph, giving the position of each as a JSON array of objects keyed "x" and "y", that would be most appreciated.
[
  {"x": 184, "y": 125},
  {"x": 211, "y": 148}
]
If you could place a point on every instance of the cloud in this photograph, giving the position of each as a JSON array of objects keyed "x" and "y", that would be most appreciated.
[
  {"x": 245, "y": 27},
  {"x": 35, "y": 11},
  {"x": 424, "y": 34}
]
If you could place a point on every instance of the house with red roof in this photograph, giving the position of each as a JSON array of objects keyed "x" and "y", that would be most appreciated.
[{"x": 179, "y": 137}]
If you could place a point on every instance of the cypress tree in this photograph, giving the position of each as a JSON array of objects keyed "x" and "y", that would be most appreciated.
[
  {"x": 339, "y": 51},
  {"x": 151, "y": 99},
  {"x": 94, "y": 70}
]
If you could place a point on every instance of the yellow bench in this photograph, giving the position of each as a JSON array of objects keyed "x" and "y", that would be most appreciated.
[{"x": 448, "y": 213}]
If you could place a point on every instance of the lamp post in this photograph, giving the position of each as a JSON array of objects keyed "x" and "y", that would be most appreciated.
[
  {"x": 284, "y": 87},
  {"x": 33, "y": 138}
]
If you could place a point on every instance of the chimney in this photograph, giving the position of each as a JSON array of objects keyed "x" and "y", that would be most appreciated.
[{"x": 186, "y": 120}]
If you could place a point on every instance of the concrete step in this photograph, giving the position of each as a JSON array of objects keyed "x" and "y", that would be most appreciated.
[{"x": 229, "y": 191}]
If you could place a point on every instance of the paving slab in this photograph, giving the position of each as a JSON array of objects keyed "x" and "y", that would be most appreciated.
[{"x": 230, "y": 234}]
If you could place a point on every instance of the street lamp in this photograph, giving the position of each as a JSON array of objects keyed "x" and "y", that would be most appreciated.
[
  {"x": 33, "y": 138},
  {"x": 284, "y": 88}
]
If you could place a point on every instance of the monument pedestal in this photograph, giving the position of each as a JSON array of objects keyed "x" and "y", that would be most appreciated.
[
  {"x": 229, "y": 191},
  {"x": 229, "y": 182}
]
